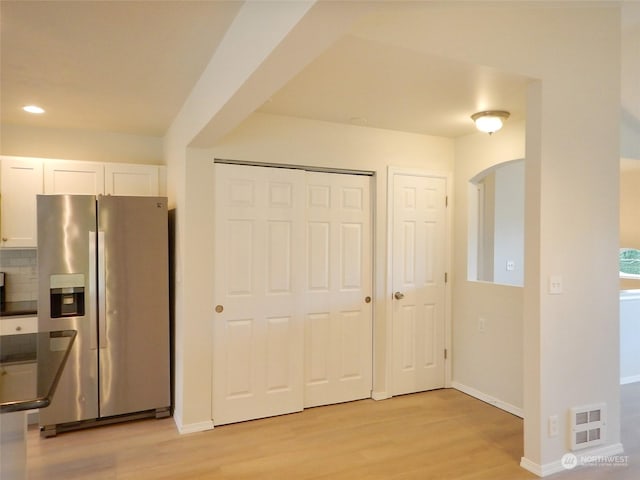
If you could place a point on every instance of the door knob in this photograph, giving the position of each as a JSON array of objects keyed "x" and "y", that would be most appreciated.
[
  {"x": 398, "y": 295},
  {"x": 219, "y": 308},
  {"x": 367, "y": 299}
]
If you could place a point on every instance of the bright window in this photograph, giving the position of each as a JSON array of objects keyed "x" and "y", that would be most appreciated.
[{"x": 629, "y": 263}]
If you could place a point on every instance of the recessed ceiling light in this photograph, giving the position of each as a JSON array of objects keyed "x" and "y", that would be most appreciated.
[{"x": 33, "y": 109}]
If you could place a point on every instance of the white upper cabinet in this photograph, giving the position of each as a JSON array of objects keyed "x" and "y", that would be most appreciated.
[
  {"x": 92, "y": 178},
  {"x": 22, "y": 178},
  {"x": 137, "y": 180},
  {"x": 21, "y": 181},
  {"x": 72, "y": 177}
]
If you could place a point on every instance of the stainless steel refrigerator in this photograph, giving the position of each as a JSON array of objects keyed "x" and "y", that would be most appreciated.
[{"x": 103, "y": 271}]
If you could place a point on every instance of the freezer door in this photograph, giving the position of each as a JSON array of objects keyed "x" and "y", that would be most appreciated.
[
  {"x": 66, "y": 266},
  {"x": 134, "y": 299}
]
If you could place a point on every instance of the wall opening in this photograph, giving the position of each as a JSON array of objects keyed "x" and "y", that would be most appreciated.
[{"x": 496, "y": 224}]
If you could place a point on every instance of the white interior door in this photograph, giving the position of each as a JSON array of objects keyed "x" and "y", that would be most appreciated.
[
  {"x": 338, "y": 308},
  {"x": 419, "y": 260},
  {"x": 258, "y": 327}
]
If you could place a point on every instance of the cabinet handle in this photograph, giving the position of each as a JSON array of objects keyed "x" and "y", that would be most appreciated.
[
  {"x": 4, "y": 239},
  {"x": 18, "y": 328}
]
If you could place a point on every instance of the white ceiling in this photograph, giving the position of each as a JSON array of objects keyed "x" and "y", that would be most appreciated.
[
  {"x": 128, "y": 67},
  {"x": 111, "y": 66},
  {"x": 365, "y": 82}
]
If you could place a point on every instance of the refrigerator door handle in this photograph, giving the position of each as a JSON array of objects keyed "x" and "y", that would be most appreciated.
[
  {"x": 102, "y": 301},
  {"x": 93, "y": 314}
]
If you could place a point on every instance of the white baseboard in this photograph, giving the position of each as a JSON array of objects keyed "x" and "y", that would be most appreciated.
[
  {"x": 191, "y": 427},
  {"x": 507, "y": 407},
  {"x": 630, "y": 379},
  {"x": 557, "y": 467},
  {"x": 380, "y": 395},
  {"x": 531, "y": 466}
]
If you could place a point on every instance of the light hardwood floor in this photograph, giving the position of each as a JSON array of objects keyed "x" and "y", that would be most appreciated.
[{"x": 443, "y": 434}]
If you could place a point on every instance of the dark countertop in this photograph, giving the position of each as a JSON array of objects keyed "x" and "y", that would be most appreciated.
[
  {"x": 30, "y": 367},
  {"x": 10, "y": 309}
]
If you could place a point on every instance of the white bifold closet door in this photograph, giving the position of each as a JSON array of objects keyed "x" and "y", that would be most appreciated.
[
  {"x": 293, "y": 269},
  {"x": 258, "y": 334},
  {"x": 338, "y": 314}
]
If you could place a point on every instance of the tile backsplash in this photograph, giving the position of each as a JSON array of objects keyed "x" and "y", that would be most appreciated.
[{"x": 21, "y": 274}]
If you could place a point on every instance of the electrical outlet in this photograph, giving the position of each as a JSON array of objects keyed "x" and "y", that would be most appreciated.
[
  {"x": 511, "y": 265},
  {"x": 553, "y": 426},
  {"x": 555, "y": 285},
  {"x": 481, "y": 325}
]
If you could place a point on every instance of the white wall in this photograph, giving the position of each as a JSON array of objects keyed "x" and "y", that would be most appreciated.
[
  {"x": 630, "y": 115},
  {"x": 571, "y": 203},
  {"x": 572, "y": 156},
  {"x": 284, "y": 140},
  {"x": 572, "y": 152},
  {"x": 496, "y": 233},
  {"x": 197, "y": 307},
  {"x": 509, "y": 224},
  {"x": 271, "y": 51},
  {"x": 486, "y": 364},
  {"x": 80, "y": 145}
]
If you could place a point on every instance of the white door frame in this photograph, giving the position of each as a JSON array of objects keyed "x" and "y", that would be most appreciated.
[{"x": 391, "y": 173}]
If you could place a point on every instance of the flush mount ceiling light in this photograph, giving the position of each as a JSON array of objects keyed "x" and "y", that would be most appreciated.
[
  {"x": 33, "y": 109},
  {"x": 490, "y": 121}
]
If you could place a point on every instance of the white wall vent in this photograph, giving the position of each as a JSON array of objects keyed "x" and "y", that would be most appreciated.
[{"x": 588, "y": 425}]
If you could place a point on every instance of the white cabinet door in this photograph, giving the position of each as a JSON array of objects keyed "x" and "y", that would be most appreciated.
[
  {"x": 21, "y": 379},
  {"x": 136, "y": 180},
  {"x": 18, "y": 325},
  {"x": 73, "y": 177},
  {"x": 20, "y": 183}
]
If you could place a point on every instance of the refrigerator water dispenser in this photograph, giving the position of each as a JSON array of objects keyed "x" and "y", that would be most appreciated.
[{"x": 66, "y": 292}]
